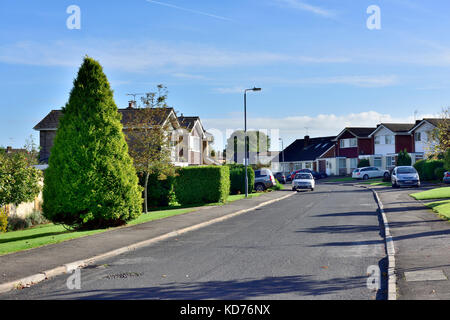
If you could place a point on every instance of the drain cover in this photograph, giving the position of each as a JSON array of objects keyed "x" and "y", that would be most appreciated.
[{"x": 425, "y": 275}]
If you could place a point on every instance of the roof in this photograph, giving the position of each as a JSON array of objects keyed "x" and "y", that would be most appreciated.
[
  {"x": 433, "y": 121},
  {"x": 51, "y": 121},
  {"x": 297, "y": 151},
  {"x": 399, "y": 128},
  {"x": 187, "y": 122},
  {"x": 358, "y": 132}
]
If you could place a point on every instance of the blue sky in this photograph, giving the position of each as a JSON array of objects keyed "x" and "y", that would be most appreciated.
[{"x": 319, "y": 66}]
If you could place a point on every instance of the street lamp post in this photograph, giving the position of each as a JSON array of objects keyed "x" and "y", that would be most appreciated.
[
  {"x": 282, "y": 155},
  {"x": 245, "y": 137}
]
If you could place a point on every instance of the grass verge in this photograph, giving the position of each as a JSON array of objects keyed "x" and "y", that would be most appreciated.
[
  {"x": 442, "y": 208},
  {"x": 47, "y": 234},
  {"x": 438, "y": 193}
]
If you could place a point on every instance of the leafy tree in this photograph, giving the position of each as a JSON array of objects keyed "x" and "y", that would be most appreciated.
[
  {"x": 403, "y": 158},
  {"x": 440, "y": 136},
  {"x": 258, "y": 142},
  {"x": 19, "y": 182},
  {"x": 447, "y": 160},
  {"x": 91, "y": 182},
  {"x": 149, "y": 138}
]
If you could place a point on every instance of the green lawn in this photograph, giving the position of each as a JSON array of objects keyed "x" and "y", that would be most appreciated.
[
  {"x": 341, "y": 179},
  {"x": 377, "y": 182},
  {"x": 442, "y": 208},
  {"x": 50, "y": 233},
  {"x": 438, "y": 193}
]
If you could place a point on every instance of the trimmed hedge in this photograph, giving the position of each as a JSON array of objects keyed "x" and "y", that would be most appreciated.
[
  {"x": 439, "y": 173},
  {"x": 160, "y": 193},
  {"x": 204, "y": 184},
  {"x": 363, "y": 163},
  {"x": 237, "y": 179},
  {"x": 427, "y": 169}
]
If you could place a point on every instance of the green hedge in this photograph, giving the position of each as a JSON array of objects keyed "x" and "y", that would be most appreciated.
[
  {"x": 363, "y": 163},
  {"x": 205, "y": 184},
  {"x": 427, "y": 169},
  {"x": 160, "y": 192},
  {"x": 237, "y": 179}
]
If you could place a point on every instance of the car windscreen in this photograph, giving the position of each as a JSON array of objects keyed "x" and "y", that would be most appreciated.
[
  {"x": 406, "y": 170},
  {"x": 303, "y": 177}
]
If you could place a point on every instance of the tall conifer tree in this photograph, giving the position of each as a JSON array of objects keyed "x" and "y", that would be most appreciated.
[{"x": 91, "y": 181}]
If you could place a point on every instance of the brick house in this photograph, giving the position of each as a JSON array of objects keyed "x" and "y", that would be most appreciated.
[{"x": 190, "y": 148}]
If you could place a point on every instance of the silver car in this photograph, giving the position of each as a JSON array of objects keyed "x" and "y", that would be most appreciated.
[
  {"x": 405, "y": 176},
  {"x": 369, "y": 173}
]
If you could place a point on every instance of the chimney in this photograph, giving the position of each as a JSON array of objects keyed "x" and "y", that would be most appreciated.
[
  {"x": 8, "y": 149},
  {"x": 131, "y": 104},
  {"x": 306, "y": 141}
]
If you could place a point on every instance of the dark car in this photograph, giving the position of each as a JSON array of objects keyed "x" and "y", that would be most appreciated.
[
  {"x": 280, "y": 177},
  {"x": 446, "y": 178},
  {"x": 315, "y": 174}
]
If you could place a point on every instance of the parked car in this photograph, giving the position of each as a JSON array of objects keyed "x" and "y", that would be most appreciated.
[
  {"x": 405, "y": 176},
  {"x": 280, "y": 177},
  {"x": 369, "y": 173},
  {"x": 303, "y": 180},
  {"x": 315, "y": 174},
  {"x": 264, "y": 179},
  {"x": 446, "y": 178}
]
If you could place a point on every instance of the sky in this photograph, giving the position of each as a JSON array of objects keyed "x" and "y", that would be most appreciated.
[{"x": 319, "y": 66}]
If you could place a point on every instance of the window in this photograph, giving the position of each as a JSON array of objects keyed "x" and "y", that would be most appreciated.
[
  {"x": 390, "y": 162},
  {"x": 417, "y": 136},
  {"x": 377, "y": 140},
  {"x": 377, "y": 162},
  {"x": 194, "y": 144},
  {"x": 308, "y": 165},
  {"x": 353, "y": 163},
  {"x": 389, "y": 139},
  {"x": 342, "y": 163},
  {"x": 348, "y": 143}
]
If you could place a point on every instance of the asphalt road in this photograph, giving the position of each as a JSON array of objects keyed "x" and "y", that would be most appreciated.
[{"x": 314, "y": 245}]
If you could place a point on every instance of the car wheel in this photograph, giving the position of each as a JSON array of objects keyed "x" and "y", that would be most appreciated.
[
  {"x": 312, "y": 189},
  {"x": 366, "y": 177},
  {"x": 386, "y": 175},
  {"x": 260, "y": 187},
  {"x": 293, "y": 189}
]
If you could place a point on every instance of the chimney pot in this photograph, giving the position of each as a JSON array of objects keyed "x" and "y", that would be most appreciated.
[{"x": 306, "y": 141}]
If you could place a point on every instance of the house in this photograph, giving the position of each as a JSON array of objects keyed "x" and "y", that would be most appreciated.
[
  {"x": 190, "y": 148},
  {"x": 307, "y": 153},
  {"x": 351, "y": 143},
  {"x": 389, "y": 139},
  {"x": 422, "y": 134}
]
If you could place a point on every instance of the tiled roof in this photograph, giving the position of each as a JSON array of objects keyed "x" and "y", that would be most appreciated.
[
  {"x": 187, "y": 122},
  {"x": 399, "y": 127},
  {"x": 299, "y": 151},
  {"x": 361, "y": 132},
  {"x": 51, "y": 121}
]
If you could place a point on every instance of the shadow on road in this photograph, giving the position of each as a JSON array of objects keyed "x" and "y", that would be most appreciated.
[{"x": 304, "y": 286}]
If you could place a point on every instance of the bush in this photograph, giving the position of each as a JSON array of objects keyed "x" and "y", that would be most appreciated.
[
  {"x": 33, "y": 219},
  {"x": 404, "y": 159},
  {"x": 160, "y": 192},
  {"x": 237, "y": 179},
  {"x": 439, "y": 173},
  {"x": 364, "y": 163},
  {"x": 91, "y": 182},
  {"x": 36, "y": 218},
  {"x": 427, "y": 169},
  {"x": 205, "y": 184},
  {"x": 3, "y": 220},
  {"x": 447, "y": 160}
]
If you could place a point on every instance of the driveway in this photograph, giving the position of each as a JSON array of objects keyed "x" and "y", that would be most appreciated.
[{"x": 313, "y": 245}]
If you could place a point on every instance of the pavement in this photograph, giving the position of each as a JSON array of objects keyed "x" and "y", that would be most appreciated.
[
  {"x": 43, "y": 262},
  {"x": 311, "y": 245},
  {"x": 422, "y": 246}
]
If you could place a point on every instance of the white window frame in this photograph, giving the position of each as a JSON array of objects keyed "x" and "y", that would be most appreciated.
[
  {"x": 377, "y": 158},
  {"x": 377, "y": 140},
  {"x": 194, "y": 143},
  {"x": 389, "y": 139}
]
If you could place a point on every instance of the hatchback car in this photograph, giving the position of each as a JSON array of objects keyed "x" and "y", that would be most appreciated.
[
  {"x": 303, "y": 181},
  {"x": 405, "y": 176},
  {"x": 264, "y": 179},
  {"x": 369, "y": 173}
]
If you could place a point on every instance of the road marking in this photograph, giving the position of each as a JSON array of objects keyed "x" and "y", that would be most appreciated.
[{"x": 425, "y": 275}]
